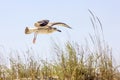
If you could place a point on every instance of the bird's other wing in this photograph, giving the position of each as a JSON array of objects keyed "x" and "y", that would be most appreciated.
[
  {"x": 41, "y": 23},
  {"x": 60, "y": 24}
]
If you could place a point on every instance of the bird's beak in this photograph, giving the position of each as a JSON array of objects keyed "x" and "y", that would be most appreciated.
[
  {"x": 59, "y": 30},
  {"x": 70, "y": 27}
]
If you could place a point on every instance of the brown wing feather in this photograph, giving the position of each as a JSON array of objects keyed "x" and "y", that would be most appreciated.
[
  {"x": 41, "y": 23},
  {"x": 60, "y": 24}
]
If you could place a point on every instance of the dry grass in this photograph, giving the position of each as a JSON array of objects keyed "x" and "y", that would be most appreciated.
[{"x": 75, "y": 62}]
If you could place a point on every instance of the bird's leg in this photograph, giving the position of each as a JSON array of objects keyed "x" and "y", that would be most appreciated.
[{"x": 35, "y": 36}]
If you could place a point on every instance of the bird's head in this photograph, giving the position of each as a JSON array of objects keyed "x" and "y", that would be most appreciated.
[{"x": 57, "y": 29}]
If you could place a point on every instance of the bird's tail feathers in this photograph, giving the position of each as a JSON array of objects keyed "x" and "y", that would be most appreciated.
[{"x": 29, "y": 30}]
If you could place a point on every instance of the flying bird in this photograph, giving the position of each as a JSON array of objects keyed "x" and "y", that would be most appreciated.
[{"x": 44, "y": 27}]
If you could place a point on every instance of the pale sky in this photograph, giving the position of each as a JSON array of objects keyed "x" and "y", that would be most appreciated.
[{"x": 15, "y": 15}]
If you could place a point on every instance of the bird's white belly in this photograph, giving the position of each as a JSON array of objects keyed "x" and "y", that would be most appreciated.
[{"x": 44, "y": 31}]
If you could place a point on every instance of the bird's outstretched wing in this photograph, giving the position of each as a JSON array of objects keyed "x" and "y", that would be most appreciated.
[
  {"x": 60, "y": 24},
  {"x": 41, "y": 23}
]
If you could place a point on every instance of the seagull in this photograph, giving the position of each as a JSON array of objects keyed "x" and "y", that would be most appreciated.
[{"x": 44, "y": 27}]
